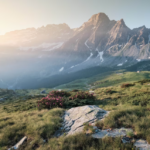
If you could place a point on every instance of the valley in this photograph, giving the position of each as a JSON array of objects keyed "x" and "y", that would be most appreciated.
[{"x": 41, "y": 55}]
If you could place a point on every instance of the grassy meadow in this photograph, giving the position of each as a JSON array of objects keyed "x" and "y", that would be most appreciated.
[
  {"x": 111, "y": 78},
  {"x": 129, "y": 106}
]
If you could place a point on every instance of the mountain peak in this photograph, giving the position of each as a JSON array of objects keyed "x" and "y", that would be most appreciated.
[
  {"x": 121, "y": 22},
  {"x": 100, "y": 17}
]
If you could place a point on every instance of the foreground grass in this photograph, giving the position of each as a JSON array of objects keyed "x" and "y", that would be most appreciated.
[
  {"x": 41, "y": 125},
  {"x": 137, "y": 118},
  {"x": 83, "y": 142},
  {"x": 21, "y": 118},
  {"x": 129, "y": 106},
  {"x": 37, "y": 125}
]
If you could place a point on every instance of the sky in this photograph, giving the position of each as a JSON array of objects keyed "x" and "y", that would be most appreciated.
[{"x": 21, "y": 14}]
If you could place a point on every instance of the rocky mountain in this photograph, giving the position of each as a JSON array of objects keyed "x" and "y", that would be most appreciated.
[
  {"x": 46, "y": 37},
  {"x": 47, "y": 51},
  {"x": 101, "y": 41}
]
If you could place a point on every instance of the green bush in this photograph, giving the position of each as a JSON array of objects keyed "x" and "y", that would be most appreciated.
[
  {"x": 143, "y": 81},
  {"x": 125, "y": 85},
  {"x": 58, "y": 94},
  {"x": 65, "y": 99}
]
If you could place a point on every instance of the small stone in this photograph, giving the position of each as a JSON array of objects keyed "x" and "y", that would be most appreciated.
[
  {"x": 43, "y": 92},
  {"x": 19, "y": 143},
  {"x": 126, "y": 140}
]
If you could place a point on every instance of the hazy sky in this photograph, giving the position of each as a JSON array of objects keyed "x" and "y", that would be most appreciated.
[{"x": 20, "y": 14}]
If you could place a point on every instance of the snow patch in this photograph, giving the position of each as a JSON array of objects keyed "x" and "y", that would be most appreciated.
[
  {"x": 88, "y": 57},
  {"x": 100, "y": 54},
  {"x": 86, "y": 44},
  {"x": 72, "y": 67},
  {"x": 126, "y": 60},
  {"x": 120, "y": 64},
  {"x": 91, "y": 54},
  {"x": 138, "y": 60},
  {"x": 61, "y": 69}
]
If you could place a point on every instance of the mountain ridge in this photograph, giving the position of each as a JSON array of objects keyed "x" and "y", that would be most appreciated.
[{"x": 57, "y": 49}]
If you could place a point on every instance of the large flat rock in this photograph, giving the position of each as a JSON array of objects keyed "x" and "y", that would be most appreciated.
[{"x": 74, "y": 118}]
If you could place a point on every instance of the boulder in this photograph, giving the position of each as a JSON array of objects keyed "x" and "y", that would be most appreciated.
[
  {"x": 75, "y": 118},
  {"x": 142, "y": 145}
]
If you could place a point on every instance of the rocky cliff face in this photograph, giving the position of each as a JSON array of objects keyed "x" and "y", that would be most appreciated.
[
  {"x": 101, "y": 41},
  {"x": 34, "y": 37}
]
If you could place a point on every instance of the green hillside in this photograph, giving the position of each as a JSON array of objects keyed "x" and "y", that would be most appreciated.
[{"x": 125, "y": 94}]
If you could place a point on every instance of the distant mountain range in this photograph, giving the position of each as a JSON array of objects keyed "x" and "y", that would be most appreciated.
[{"x": 57, "y": 49}]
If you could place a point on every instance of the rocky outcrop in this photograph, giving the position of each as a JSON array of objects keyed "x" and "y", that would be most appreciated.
[
  {"x": 113, "y": 40},
  {"x": 112, "y": 133},
  {"x": 75, "y": 118}
]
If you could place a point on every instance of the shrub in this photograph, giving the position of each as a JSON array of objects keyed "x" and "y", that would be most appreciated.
[
  {"x": 82, "y": 95},
  {"x": 65, "y": 99},
  {"x": 75, "y": 90},
  {"x": 59, "y": 93},
  {"x": 50, "y": 102},
  {"x": 79, "y": 99},
  {"x": 109, "y": 91},
  {"x": 143, "y": 81},
  {"x": 125, "y": 85}
]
